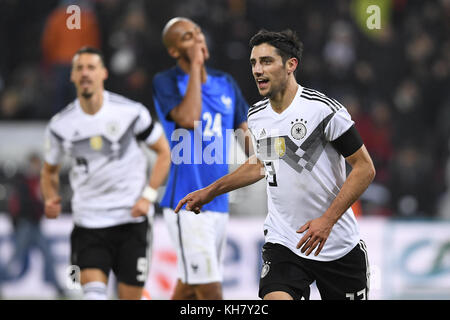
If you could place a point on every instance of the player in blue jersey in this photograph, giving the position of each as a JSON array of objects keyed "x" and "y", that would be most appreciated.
[{"x": 196, "y": 105}]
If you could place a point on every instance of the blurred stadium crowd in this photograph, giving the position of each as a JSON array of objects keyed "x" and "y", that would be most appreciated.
[{"x": 394, "y": 81}]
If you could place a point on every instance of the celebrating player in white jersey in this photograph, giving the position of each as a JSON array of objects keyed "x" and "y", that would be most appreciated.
[
  {"x": 101, "y": 131},
  {"x": 302, "y": 140}
]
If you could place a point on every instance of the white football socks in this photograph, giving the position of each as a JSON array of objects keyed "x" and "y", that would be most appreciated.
[{"x": 95, "y": 290}]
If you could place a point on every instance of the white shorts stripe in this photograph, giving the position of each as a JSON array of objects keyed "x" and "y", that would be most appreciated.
[{"x": 362, "y": 246}]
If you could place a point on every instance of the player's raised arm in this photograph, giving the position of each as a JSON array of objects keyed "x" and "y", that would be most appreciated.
[
  {"x": 189, "y": 110},
  {"x": 248, "y": 173},
  {"x": 188, "y": 47}
]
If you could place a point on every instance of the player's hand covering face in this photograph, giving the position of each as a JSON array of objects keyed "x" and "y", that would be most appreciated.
[{"x": 187, "y": 42}]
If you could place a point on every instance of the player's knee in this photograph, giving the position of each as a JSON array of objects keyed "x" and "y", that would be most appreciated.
[
  {"x": 183, "y": 291},
  {"x": 129, "y": 292},
  {"x": 209, "y": 291},
  {"x": 278, "y": 295},
  {"x": 95, "y": 290}
]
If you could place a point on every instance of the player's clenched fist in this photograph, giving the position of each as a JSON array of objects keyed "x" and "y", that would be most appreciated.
[
  {"x": 52, "y": 207},
  {"x": 197, "y": 53},
  {"x": 140, "y": 208}
]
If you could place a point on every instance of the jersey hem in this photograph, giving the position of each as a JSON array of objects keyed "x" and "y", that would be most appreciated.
[{"x": 311, "y": 255}]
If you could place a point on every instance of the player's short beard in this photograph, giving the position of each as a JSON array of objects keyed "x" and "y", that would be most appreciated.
[
  {"x": 280, "y": 89},
  {"x": 87, "y": 95}
]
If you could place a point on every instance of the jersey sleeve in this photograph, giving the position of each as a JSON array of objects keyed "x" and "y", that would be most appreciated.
[
  {"x": 166, "y": 94},
  {"x": 145, "y": 128},
  {"x": 241, "y": 106},
  {"x": 339, "y": 123},
  {"x": 53, "y": 150},
  {"x": 254, "y": 141},
  {"x": 342, "y": 133},
  {"x": 156, "y": 133}
]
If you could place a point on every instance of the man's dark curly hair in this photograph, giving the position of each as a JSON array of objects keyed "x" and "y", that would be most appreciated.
[{"x": 286, "y": 42}]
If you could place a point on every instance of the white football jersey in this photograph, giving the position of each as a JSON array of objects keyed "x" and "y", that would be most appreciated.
[
  {"x": 303, "y": 170},
  {"x": 109, "y": 169}
]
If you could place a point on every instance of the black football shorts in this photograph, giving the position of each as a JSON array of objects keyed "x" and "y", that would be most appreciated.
[
  {"x": 122, "y": 249},
  {"x": 344, "y": 278}
]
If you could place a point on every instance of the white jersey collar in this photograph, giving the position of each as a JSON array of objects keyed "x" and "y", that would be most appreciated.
[{"x": 284, "y": 113}]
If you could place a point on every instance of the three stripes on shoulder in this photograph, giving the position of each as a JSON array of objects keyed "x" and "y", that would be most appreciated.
[
  {"x": 307, "y": 93},
  {"x": 315, "y": 95}
]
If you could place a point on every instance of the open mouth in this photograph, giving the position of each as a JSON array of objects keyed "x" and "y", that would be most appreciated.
[
  {"x": 85, "y": 82},
  {"x": 262, "y": 83}
]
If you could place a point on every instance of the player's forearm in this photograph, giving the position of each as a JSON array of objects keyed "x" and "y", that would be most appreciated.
[
  {"x": 190, "y": 108},
  {"x": 49, "y": 184},
  {"x": 356, "y": 183},
  {"x": 248, "y": 173},
  {"x": 160, "y": 170}
]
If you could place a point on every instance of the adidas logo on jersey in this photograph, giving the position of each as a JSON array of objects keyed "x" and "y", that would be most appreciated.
[{"x": 262, "y": 134}]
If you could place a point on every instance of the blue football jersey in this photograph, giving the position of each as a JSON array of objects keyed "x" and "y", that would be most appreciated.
[{"x": 199, "y": 156}]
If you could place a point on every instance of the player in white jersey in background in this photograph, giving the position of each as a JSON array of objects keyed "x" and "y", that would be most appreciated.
[
  {"x": 302, "y": 140},
  {"x": 100, "y": 131}
]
